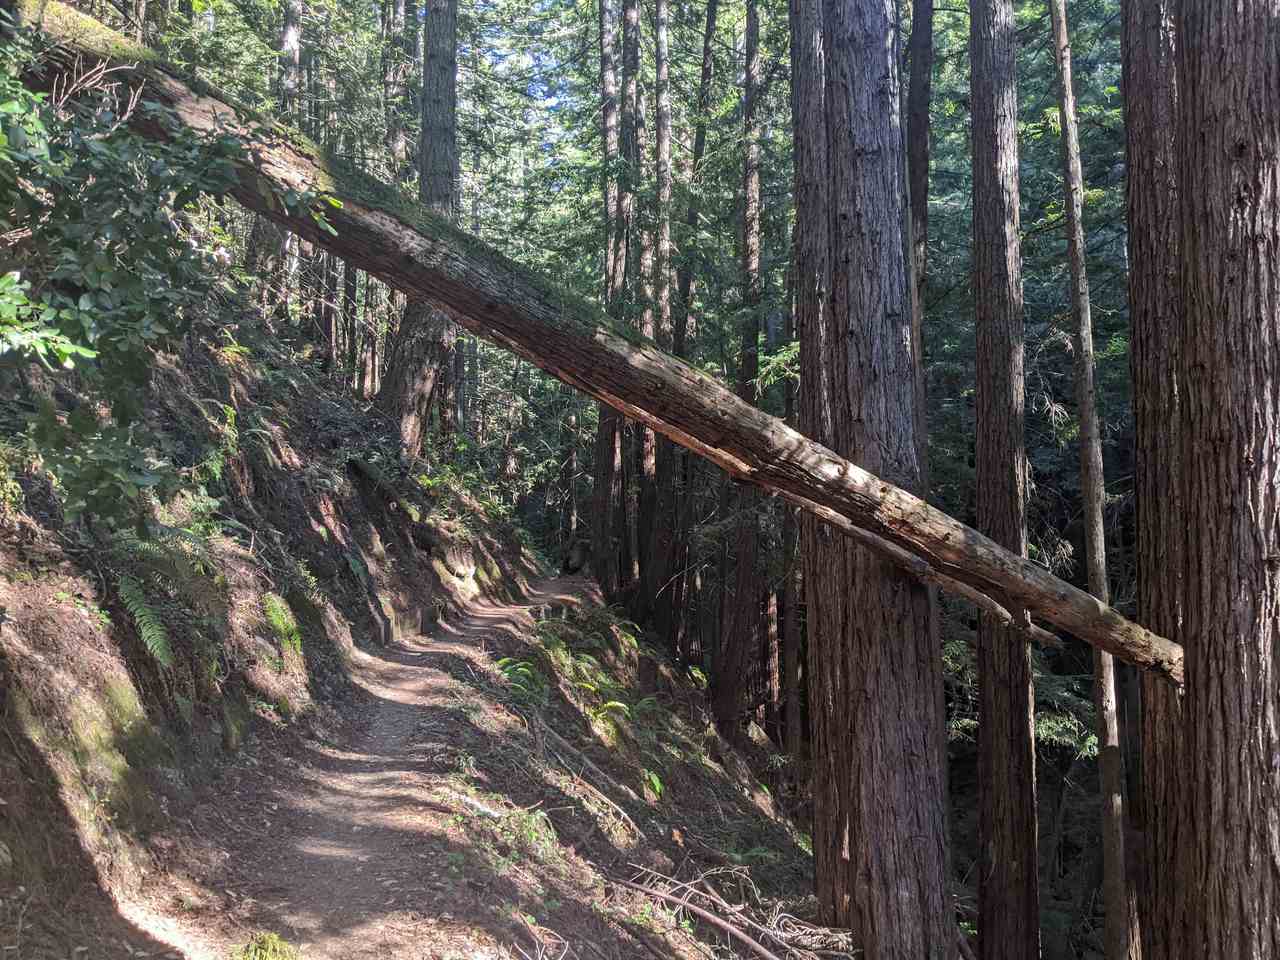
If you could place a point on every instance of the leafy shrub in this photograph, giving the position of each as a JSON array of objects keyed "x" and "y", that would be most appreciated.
[
  {"x": 267, "y": 946},
  {"x": 112, "y": 270}
]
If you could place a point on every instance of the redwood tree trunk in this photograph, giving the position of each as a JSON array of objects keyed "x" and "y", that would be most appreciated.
[
  {"x": 1008, "y": 893},
  {"x": 658, "y": 562},
  {"x": 1228, "y": 136},
  {"x": 1155, "y": 307},
  {"x": 608, "y": 455},
  {"x": 740, "y": 641},
  {"x": 875, "y": 675},
  {"x": 421, "y": 352},
  {"x": 1122, "y": 938}
]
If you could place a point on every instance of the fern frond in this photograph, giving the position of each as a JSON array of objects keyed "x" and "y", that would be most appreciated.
[{"x": 151, "y": 628}]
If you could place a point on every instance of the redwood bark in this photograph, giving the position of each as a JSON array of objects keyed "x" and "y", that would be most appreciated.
[
  {"x": 421, "y": 352},
  {"x": 426, "y": 256},
  {"x": 875, "y": 675},
  {"x": 1008, "y": 887},
  {"x": 1228, "y": 149},
  {"x": 1122, "y": 939},
  {"x": 396, "y": 52},
  {"x": 740, "y": 638},
  {"x": 1155, "y": 308},
  {"x": 608, "y": 455},
  {"x": 658, "y": 564}
]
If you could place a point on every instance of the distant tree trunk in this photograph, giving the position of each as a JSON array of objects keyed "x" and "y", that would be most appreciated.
[
  {"x": 740, "y": 641},
  {"x": 773, "y": 669},
  {"x": 919, "y": 94},
  {"x": 875, "y": 675},
  {"x": 646, "y": 499},
  {"x": 421, "y": 353},
  {"x": 608, "y": 453},
  {"x": 669, "y": 575},
  {"x": 350, "y": 327},
  {"x": 289, "y": 97},
  {"x": 1155, "y": 308},
  {"x": 1122, "y": 937},
  {"x": 685, "y": 275},
  {"x": 396, "y": 54},
  {"x": 793, "y": 580},
  {"x": 1228, "y": 135},
  {"x": 655, "y": 603},
  {"x": 1008, "y": 891}
]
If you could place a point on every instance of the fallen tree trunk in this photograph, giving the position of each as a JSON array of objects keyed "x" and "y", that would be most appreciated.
[{"x": 372, "y": 227}]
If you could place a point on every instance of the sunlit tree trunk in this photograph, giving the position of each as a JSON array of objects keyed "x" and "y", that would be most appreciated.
[
  {"x": 874, "y": 673},
  {"x": 1228, "y": 150},
  {"x": 421, "y": 352}
]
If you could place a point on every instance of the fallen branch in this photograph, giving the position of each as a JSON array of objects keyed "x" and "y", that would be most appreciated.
[
  {"x": 706, "y": 915},
  {"x": 372, "y": 227}
]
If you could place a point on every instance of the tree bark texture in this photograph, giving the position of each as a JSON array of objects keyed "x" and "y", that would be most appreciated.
[
  {"x": 608, "y": 459},
  {"x": 1228, "y": 137},
  {"x": 659, "y": 563},
  {"x": 1121, "y": 935},
  {"x": 875, "y": 675},
  {"x": 427, "y": 256},
  {"x": 1008, "y": 886},
  {"x": 421, "y": 352},
  {"x": 1155, "y": 308},
  {"x": 740, "y": 640}
]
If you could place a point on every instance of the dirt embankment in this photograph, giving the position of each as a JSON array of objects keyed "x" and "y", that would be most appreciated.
[{"x": 330, "y": 698}]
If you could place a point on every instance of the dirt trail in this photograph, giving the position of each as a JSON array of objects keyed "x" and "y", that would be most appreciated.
[{"x": 352, "y": 844}]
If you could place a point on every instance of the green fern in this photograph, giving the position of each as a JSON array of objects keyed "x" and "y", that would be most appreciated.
[{"x": 151, "y": 627}]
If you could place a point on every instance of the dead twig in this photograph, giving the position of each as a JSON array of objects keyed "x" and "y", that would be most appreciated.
[{"x": 706, "y": 915}]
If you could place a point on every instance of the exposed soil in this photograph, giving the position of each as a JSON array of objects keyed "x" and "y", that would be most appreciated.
[{"x": 382, "y": 837}]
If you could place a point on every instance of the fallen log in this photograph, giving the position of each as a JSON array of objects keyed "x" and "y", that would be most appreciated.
[{"x": 370, "y": 225}]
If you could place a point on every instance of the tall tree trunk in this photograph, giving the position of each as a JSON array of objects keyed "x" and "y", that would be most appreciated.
[
  {"x": 1122, "y": 937},
  {"x": 1155, "y": 308},
  {"x": 608, "y": 456},
  {"x": 396, "y": 58},
  {"x": 685, "y": 274},
  {"x": 655, "y": 603},
  {"x": 740, "y": 640},
  {"x": 669, "y": 586},
  {"x": 1008, "y": 890},
  {"x": 421, "y": 353},
  {"x": 646, "y": 441},
  {"x": 874, "y": 673},
  {"x": 919, "y": 95},
  {"x": 1121, "y": 934},
  {"x": 350, "y": 320},
  {"x": 793, "y": 580},
  {"x": 289, "y": 97},
  {"x": 1228, "y": 136}
]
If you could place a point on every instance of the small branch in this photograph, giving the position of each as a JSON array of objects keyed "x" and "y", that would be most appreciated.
[{"x": 706, "y": 915}]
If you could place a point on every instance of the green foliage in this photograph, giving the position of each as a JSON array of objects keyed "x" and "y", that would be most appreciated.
[
  {"x": 283, "y": 625},
  {"x": 267, "y": 946},
  {"x": 150, "y": 623},
  {"x": 525, "y": 681},
  {"x": 114, "y": 270}
]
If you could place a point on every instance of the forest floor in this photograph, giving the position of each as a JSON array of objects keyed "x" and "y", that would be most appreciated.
[{"x": 421, "y": 825}]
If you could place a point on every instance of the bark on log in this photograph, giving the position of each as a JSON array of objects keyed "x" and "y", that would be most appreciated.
[{"x": 571, "y": 339}]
